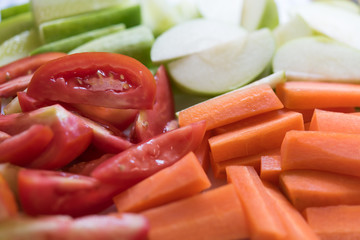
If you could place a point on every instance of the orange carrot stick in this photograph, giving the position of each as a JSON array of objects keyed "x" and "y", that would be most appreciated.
[
  {"x": 8, "y": 206},
  {"x": 264, "y": 221},
  {"x": 335, "y": 222},
  {"x": 317, "y": 150},
  {"x": 252, "y": 160},
  {"x": 335, "y": 122},
  {"x": 308, "y": 113},
  {"x": 231, "y": 107},
  {"x": 255, "y": 136},
  {"x": 214, "y": 214},
  {"x": 296, "y": 226},
  {"x": 307, "y": 95},
  {"x": 308, "y": 188},
  {"x": 183, "y": 179},
  {"x": 270, "y": 168}
]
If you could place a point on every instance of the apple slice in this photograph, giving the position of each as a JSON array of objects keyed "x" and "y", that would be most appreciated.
[
  {"x": 259, "y": 14},
  {"x": 192, "y": 37},
  {"x": 229, "y": 11},
  {"x": 224, "y": 67},
  {"x": 318, "y": 58},
  {"x": 336, "y": 23},
  {"x": 346, "y": 5}
]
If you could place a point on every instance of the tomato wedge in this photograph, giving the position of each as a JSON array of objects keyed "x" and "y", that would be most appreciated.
[
  {"x": 26, "y": 65},
  {"x": 150, "y": 123},
  {"x": 95, "y": 78},
  {"x": 143, "y": 160},
  {"x": 9, "y": 89},
  {"x": 44, "y": 192}
]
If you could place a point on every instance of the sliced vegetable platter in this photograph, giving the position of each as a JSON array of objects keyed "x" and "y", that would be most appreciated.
[{"x": 184, "y": 119}]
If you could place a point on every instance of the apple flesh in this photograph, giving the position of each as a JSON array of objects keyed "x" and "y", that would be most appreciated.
[
  {"x": 224, "y": 67},
  {"x": 318, "y": 59},
  {"x": 229, "y": 11},
  {"x": 192, "y": 37},
  {"x": 259, "y": 14}
]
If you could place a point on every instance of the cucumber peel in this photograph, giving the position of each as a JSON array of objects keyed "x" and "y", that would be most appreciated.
[{"x": 15, "y": 25}]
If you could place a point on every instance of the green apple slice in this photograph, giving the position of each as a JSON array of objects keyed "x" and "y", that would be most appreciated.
[
  {"x": 224, "y": 67},
  {"x": 296, "y": 27},
  {"x": 346, "y": 5},
  {"x": 192, "y": 37},
  {"x": 259, "y": 14},
  {"x": 135, "y": 42},
  {"x": 70, "y": 26},
  {"x": 229, "y": 11},
  {"x": 70, "y": 43},
  {"x": 18, "y": 46},
  {"x": 161, "y": 15},
  {"x": 318, "y": 59},
  {"x": 333, "y": 22},
  {"x": 45, "y": 10},
  {"x": 15, "y": 25}
]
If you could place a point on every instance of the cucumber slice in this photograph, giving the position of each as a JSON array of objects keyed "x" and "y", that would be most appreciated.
[
  {"x": 18, "y": 46},
  {"x": 68, "y": 44},
  {"x": 70, "y": 26},
  {"x": 14, "y": 10},
  {"x": 47, "y": 10},
  {"x": 15, "y": 25},
  {"x": 135, "y": 42}
]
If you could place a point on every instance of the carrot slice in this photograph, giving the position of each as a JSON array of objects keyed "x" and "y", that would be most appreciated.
[
  {"x": 202, "y": 151},
  {"x": 8, "y": 206},
  {"x": 270, "y": 168},
  {"x": 335, "y": 122},
  {"x": 264, "y": 221},
  {"x": 335, "y": 222},
  {"x": 317, "y": 150},
  {"x": 265, "y": 133},
  {"x": 183, "y": 179},
  {"x": 252, "y": 160},
  {"x": 307, "y": 188},
  {"x": 296, "y": 226},
  {"x": 231, "y": 107},
  {"x": 214, "y": 214},
  {"x": 308, "y": 113},
  {"x": 307, "y": 95}
]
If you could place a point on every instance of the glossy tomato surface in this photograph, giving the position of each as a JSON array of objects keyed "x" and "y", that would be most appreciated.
[{"x": 95, "y": 78}]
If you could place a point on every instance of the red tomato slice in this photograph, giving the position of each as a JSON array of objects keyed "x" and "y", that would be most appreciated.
[
  {"x": 44, "y": 192},
  {"x": 71, "y": 135},
  {"x": 143, "y": 160},
  {"x": 86, "y": 167},
  {"x": 95, "y": 78},
  {"x": 150, "y": 123},
  {"x": 10, "y": 88},
  {"x": 3, "y": 136},
  {"x": 26, "y": 65},
  {"x": 28, "y": 103},
  {"x": 22, "y": 148}
]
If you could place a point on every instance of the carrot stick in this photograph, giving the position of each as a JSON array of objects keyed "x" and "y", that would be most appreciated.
[
  {"x": 255, "y": 136},
  {"x": 307, "y": 95},
  {"x": 252, "y": 160},
  {"x": 183, "y": 179},
  {"x": 308, "y": 113},
  {"x": 8, "y": 206},
  {"x": 231, "y": 107},
  {"x": 264, "y": 221},
  {"x": 308, "y": 188},
  {"x": 317, "y": 150},
  {"x": 335, "y": 222},
  {"x": 214, "y": 214},
  {"x": 270, "y": 168},
  {"x": 202, "y": 151},
  {"x": 296, "y": 226},
  {"x": 335, "y": 122}
]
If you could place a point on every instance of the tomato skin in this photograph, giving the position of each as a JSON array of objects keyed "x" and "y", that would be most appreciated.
[
  {"x": 144, "y": 159},
  {"x": 22, "y": 148},
  {"x": 71, "y": 135},
  {"x": 150, "y": 123},
  {"x": 10, "y": 88},
  {"x": 63, "y": 193},
  {"x": 26, "y": 65},
  {"x": 86, "y": 167},
  {"x": 95, "y": 78}
]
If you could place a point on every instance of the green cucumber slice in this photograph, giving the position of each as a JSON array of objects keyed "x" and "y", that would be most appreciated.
[
  {"x": 70, "y": 26},
  {"x": 135, "y": 42},
  {"x": 14, "y": 10},
  {"x": 18, "y": 46},
  {"x": 67, "y": 44},
  {"x": 15, "y": 25}
]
